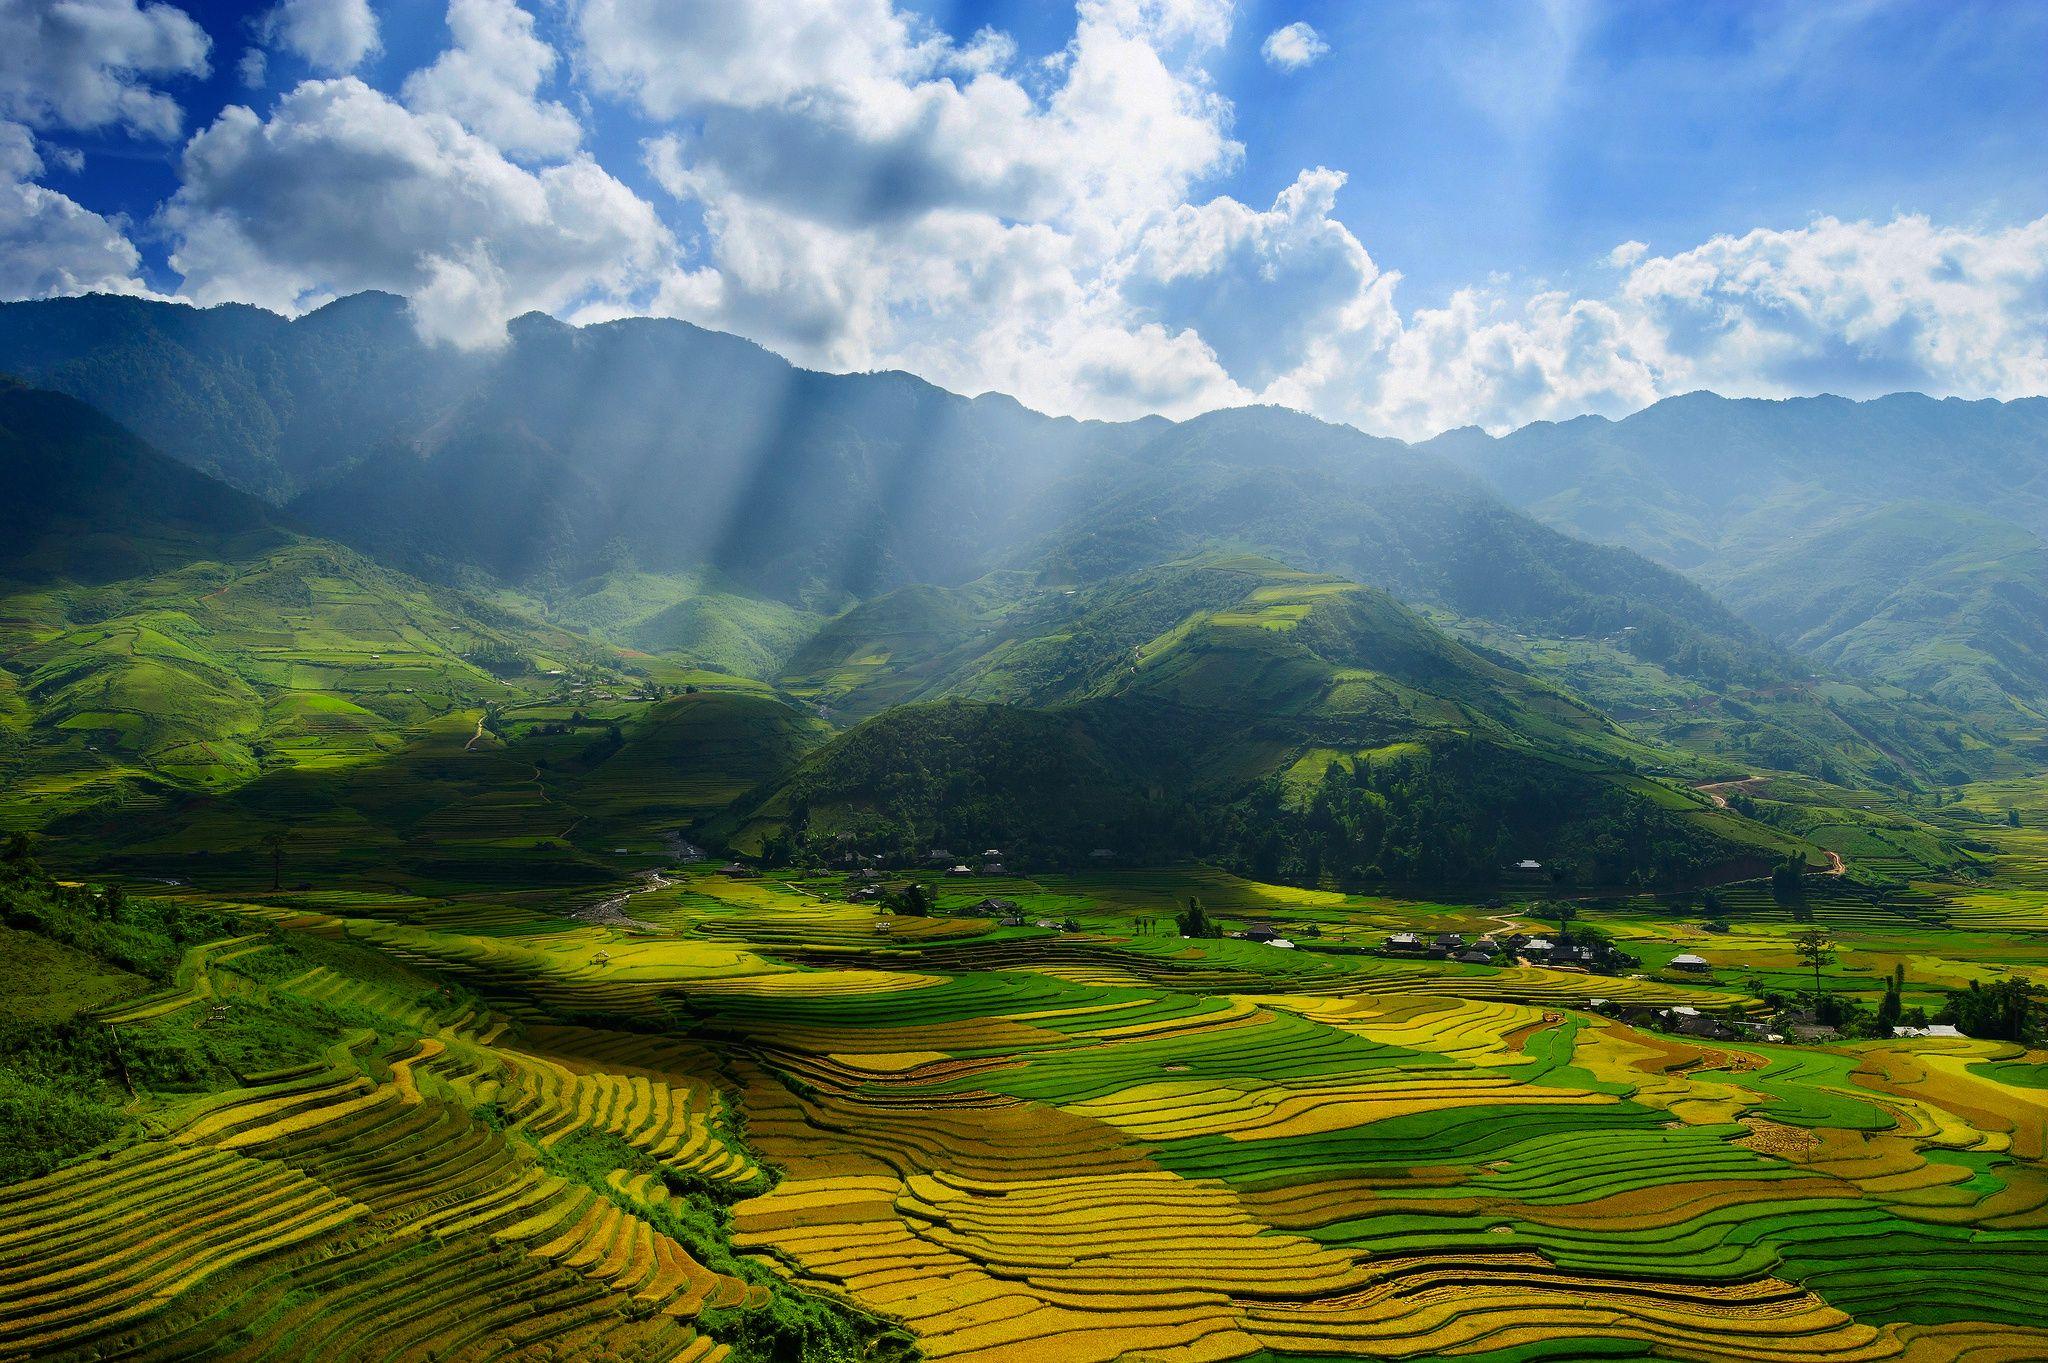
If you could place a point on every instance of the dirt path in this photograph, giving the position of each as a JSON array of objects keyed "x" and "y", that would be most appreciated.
[
  {"x": 1746, "y": 786},
  {"x": 476, "y": 737}
]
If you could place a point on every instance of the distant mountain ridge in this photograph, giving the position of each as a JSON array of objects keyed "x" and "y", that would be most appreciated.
[
  {"x": 656, "y": 446},
  {"x": 1802, "y": 513}
]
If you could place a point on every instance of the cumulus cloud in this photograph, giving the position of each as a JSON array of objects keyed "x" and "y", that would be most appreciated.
[
  {"x": 333, "y": 36},
  {"x": 1857, "y": 307},
  {"x": 872, "y": 191},
  {"x": 49, "y": 245},
  {"x": 1260, "y": 288},
  {"x": 271, "y": 211},
  {"x": 88, "y": 64},
  {"x": 1293, "y": 47},
  {"x": 490, "y": 80}
]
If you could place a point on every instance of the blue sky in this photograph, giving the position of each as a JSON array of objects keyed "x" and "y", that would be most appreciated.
[{"x": 1453, "y": 212}]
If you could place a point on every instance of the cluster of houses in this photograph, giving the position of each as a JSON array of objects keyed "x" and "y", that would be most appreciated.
[
  {"x": 991, "y": 863},
  {"x": 1493, "y": 949},
  {"x": 1271, "y": 936},
  {"x": 1795, "y": 1025}
]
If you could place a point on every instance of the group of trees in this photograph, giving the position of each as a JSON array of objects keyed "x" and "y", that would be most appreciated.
[
  {"x": 2005, "y": 1010},
  {"x": 1455, "y": 815}
]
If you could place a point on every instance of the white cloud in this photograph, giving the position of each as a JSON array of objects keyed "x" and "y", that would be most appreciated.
[
  {"x": 1260, "y": 288},
  {"x": 489, "y": 81},
  {"x": 272, "y": 211},
  {"x": 1855, "y": 308},
  {"x": 86, "y": 64},
  {"x": 333, "y": 36},
  {"x": 874, "y": 193},
  {"x": 49, "y": 245},
  {"x": 254, "y": 68},
  {"x": 1293, "y": 47}
]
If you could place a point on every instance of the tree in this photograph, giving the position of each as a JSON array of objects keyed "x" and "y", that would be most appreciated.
[
  {"x": 2012, "y": 818},
  {"x": 276, "y": 841},
  {"x": 915, "y": 900},
  {"x": 1816, "y": 949},
  {"x": 1893, "y": 1004},
  {"x": 1194, "y": 921},
  {"x": 1788, "y": 880}
]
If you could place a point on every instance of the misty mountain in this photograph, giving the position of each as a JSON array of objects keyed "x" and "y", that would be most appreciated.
[{"x": 1895, "y": 538}]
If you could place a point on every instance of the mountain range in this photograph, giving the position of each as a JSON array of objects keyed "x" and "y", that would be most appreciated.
[{"x": 1207, "y": 622}]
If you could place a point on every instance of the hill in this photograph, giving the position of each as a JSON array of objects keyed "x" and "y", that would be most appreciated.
[
  {"x": 1893, "y": 539},
  {"x": 1950, "y": 602},
  {"x": 682, "y": 492},
  {"x": 160, "y": 631},
  {"x": 1290, "y": 724},
  {"x": 653, "y": 447},
  {"x": 86, "y": 500}
]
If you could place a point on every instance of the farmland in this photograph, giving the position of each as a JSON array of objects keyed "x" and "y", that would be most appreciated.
[{"x": 757, "y": 1121}]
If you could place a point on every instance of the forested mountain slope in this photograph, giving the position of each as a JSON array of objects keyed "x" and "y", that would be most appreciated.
[{"x": 1896, "y": 539}]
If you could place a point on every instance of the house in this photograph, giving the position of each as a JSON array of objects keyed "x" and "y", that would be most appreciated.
[
  {"x": 1931, "y": 1030},
  {"x": 940, "y": 857},
  {"x": 994, "y": 907},
  {"x": 1699, "y": 1025},
  {"x": 1012, "y": 921},
  {"x": 1404, "y": 941},
  {"x": 1474, "y": 957},
  {"x": 1102, "y": 854},
  {"x": 863, "y": 894},
  {"x": 1697, "y": 965},
  {"x": 1538, "y": 946},
  {"x": 1528, "y": 864},
  {"x": 993, "y": 868},
  {"x": 1282, "y": 943},
  {"x": 958, "y": 871},
  {"x": 733, "y": 868},
  {"x": 992, "y": 854},
  {"x": 1260, "y": 934}
]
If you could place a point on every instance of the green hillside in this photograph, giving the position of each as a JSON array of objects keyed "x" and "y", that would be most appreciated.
[
  {"x": 1287, "y": 723},
  {"x": 160, "y": 632},
  {"x": 1895, "y": 540},
  {"x": 1950, "y": 603}
]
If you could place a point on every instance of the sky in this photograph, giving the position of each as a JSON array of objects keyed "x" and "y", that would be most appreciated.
[{"x": 1409, "y": 215}]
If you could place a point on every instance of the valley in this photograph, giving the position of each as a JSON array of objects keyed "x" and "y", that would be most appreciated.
[{"x": 644, "y": 852}]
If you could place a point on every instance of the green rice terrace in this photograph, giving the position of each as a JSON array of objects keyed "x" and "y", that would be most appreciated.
[{"x": 707, "y": 1112}]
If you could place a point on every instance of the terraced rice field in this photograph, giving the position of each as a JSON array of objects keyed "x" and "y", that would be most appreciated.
[{"x": 1034, "y": 1145}]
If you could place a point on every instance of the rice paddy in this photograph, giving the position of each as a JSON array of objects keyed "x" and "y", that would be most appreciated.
[{"x": 546, "y": 1137}]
